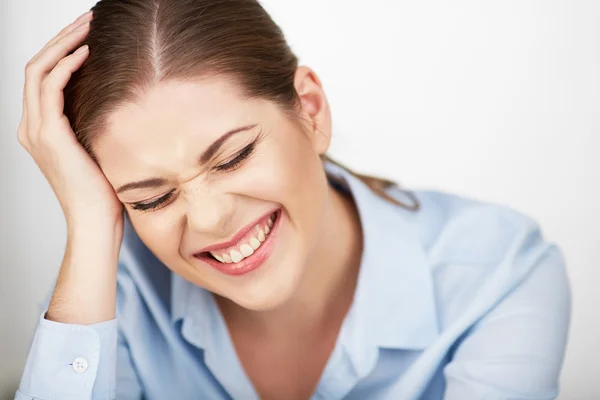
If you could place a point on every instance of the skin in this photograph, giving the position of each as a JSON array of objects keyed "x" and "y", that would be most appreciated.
[
  {"x": 295, "y": 302},
  {"x": 284, "y": 317}
]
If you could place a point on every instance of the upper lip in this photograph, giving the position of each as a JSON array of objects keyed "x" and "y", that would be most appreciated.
[{"x": 238, "y": 236}]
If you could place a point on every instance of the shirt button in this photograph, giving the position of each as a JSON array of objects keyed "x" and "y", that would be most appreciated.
[{"x": 80, "y": 365}]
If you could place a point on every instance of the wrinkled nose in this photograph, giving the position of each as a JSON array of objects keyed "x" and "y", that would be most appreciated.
[{"x": 209, "y": 212}]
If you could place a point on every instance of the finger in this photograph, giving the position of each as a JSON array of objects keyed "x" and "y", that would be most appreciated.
[
  {"x": 22, "y": 135},
  {"x": 52, "y": 54},
  {"x": 52, "y": 98},
  {"x": 87, "y": 16},
  {"x": 37, "y": 70},
  {"x": 68, "y": 29}
]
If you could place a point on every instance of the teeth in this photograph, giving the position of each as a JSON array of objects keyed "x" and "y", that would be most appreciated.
[
  {"x": 255, "y": 243},
  {"x": 246, "y": 250},
  {"x": 236, "y": 256}
]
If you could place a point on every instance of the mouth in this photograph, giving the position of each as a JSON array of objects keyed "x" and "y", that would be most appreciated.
[{"x": 248, "y": 250}]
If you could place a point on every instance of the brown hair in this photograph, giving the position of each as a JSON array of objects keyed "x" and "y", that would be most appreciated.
[{"x": 135, "y": 43}]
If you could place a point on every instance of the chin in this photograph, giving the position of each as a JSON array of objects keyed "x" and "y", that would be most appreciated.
[{"x": 270, "y": 292}]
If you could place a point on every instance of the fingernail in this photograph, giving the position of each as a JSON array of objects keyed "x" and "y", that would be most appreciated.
[
  {"x": 83, "y": 16},
  {"x": 82, "y": 49}
]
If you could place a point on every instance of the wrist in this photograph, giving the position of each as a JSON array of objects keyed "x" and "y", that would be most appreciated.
[{"x": 102, "y": 230}]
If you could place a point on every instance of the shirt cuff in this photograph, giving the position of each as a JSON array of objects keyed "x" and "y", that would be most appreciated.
[{"x": 70, "y": 361}]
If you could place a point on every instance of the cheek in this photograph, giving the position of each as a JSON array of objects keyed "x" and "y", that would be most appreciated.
[
  {"x": 288, "y": 171},
  {"x": 161, "y": 234},
  {"x": 284, "y": 170}
]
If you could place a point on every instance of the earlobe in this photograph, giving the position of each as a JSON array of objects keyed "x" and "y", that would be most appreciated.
[{"x": 315, "y": 107}]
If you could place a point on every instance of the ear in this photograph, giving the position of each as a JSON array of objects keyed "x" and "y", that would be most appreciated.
[{"x": 315, "y": 108}]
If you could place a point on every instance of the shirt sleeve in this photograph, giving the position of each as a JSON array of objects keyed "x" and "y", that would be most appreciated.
[
  {"x": 516, "y": 351},
  {"x": 70, "y": 361}
]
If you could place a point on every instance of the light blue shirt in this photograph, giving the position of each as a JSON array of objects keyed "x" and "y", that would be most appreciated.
[{"x": 459, "y": 300}]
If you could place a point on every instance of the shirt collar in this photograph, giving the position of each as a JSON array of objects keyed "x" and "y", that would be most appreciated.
[
  {"x": 394, "y": 303},
  {"x": 180, "y": 296}
]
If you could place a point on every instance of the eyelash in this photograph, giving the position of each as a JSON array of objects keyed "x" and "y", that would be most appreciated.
[
  {"x": 227, "y": 167},
  {"x": 242, "y": 156}
]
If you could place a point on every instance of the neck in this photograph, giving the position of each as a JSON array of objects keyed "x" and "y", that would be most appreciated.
[{"x": 326, "y": 290}]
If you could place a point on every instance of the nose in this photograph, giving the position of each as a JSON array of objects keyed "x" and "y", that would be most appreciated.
[{"x": 209, "y": 212}]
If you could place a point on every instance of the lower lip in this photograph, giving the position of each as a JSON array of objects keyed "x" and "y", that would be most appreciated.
[{"x": 251, "y": 263}]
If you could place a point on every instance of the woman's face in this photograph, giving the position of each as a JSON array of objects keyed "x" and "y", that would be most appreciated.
[{"x": 227, "y": 192}]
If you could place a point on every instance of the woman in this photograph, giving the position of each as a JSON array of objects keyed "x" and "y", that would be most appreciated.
[{"x": 215, "y": 251}]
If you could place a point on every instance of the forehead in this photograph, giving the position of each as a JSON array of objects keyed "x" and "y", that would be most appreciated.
[
  {"x": 204, "y": 106},
  {"x": 172, "y": 122}
]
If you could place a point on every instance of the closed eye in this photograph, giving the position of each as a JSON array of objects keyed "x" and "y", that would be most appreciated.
[
  {"x": 154, "y": 204},
  {"x": 243, "y": 155},
  {"x": 229, "y": 166}
]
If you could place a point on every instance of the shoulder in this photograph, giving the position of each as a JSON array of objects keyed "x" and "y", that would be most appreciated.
[
  {"x": 480, "y": 252},
  {"x": 459, "y": 229}
]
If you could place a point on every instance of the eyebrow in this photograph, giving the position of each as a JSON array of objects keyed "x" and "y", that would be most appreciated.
[{"x": 204, "y": 158}]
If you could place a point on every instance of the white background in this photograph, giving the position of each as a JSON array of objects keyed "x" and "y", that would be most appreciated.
[{"x": 497, "y": 100}]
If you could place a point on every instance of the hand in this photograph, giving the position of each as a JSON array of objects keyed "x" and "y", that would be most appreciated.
[
  {"x": 82, "y": 190},
  {"x": 85, "y": 291}
]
